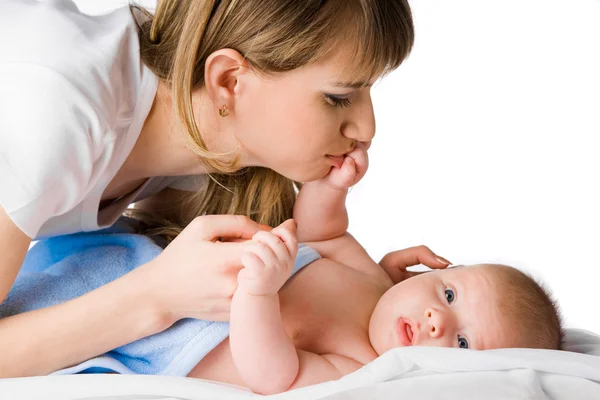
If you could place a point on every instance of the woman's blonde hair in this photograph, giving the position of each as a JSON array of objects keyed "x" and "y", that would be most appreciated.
[{"x": 273, "y": 36}]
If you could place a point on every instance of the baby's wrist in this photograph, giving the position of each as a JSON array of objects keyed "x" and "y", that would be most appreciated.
[
  {"x": 245, "y": 290},
  {"x": 328, "y": 184},
  {"x": 248, "y": 297}
]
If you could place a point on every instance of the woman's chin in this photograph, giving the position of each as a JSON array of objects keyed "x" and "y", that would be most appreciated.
[{"x": 308, "y": 175}]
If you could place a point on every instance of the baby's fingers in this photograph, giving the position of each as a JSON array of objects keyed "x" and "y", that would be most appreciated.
[
  {"x": 274, "y": 243},
  {"x": 361, "y": 160},
  {"x": 287, "y": 233},
  {"x": 347, "y": 173},
  {"x": 263, "y": 252},
  {"x": 252, "y": 263}
]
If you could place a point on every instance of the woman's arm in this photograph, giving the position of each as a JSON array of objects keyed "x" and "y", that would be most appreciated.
[
  {"x": 42, "y": 341},
  {"x": 13, "y": 247},
  {"x": 194, "y": 277}
]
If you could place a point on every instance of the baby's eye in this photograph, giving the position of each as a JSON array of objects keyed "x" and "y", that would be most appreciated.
[
  {"x": 463, "y": 343},
  {"x": 449, "y": 295}
]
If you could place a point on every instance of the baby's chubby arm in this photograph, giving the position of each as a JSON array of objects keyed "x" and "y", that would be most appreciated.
[
  {"x": 320, "y": 209},
  {"x": 263, "y": 353}
]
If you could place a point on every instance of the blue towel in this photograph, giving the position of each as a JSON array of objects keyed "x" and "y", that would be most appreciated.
[{"x": 62, "y": 268}]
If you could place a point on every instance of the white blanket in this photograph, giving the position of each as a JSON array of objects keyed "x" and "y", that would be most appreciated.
[{"x": 423, "y": 373}]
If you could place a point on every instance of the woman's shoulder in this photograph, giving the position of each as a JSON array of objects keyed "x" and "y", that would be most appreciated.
[
  {"x": 96, "y": 54},
  {"x": 46, "y": 31},
  {"x": 74, "y": 97}
]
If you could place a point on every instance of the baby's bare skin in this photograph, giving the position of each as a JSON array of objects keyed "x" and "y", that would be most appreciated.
[
  {"x": 343, "y": 311},
  {"x": 325, "y": 307}
]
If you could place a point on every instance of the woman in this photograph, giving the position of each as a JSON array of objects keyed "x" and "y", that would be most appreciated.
[{"x": 100, "y": 112}]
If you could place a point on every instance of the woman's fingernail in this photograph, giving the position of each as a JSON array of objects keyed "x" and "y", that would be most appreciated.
[{"x": 442, "y": 260}]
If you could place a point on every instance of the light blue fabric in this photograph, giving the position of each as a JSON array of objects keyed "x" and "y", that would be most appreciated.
[{"x": 62, "y": 268}]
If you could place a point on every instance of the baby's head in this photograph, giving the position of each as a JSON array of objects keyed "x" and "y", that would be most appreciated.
[{"x": 479, "y": 307}]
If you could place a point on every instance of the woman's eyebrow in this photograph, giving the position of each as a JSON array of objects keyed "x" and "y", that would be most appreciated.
[{"x": 352, "y": 85}]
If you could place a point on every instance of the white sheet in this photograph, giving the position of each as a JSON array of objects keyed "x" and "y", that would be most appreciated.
[{"x": 426, "y": 372}]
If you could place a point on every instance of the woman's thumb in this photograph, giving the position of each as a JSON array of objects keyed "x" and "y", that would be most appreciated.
[{"x": 290, "y": 225}]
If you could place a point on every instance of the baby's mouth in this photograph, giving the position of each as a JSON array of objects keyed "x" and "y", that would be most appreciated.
[
  {"x": 409, "y": 332},
  {"x": 405, "y": 332}
]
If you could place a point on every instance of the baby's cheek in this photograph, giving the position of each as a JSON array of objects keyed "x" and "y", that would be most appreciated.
[{"x": 446, "y": 341}]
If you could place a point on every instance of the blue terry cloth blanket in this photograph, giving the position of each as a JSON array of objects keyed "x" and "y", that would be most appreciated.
[{"x": 59, "y": 269}]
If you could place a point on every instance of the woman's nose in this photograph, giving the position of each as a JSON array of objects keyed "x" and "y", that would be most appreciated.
[
  {"x": 361, "y": 124},
  {"x": 359, "y": 133},
  {"x": 436, "y": 323}
]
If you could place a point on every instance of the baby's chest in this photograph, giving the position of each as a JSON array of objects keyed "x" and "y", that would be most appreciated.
[{"x": 326, "y": 310}]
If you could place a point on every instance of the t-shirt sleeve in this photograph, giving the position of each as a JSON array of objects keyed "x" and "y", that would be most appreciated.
[{"x": 46, "y": 149}]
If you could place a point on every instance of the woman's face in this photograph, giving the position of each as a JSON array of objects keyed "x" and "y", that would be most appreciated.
[{"x": 297, "y": 122}]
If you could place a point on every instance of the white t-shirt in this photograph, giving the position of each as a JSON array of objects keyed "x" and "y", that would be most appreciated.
[{"x": 74, "y": 95}]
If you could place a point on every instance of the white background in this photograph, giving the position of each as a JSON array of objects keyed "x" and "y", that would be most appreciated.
[{"x": 486, "y": 147}]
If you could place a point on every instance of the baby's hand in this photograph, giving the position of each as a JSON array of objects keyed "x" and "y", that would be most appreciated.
[
  {"x": 396, "y": 262},
  {"x": 352, "y": 170},
  {"x": 269, "y": 260}
]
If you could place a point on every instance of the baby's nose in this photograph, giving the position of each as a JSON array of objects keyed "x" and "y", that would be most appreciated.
[{"x": 436, "y": 323}]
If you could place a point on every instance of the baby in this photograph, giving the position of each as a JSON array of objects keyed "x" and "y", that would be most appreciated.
[
  {"x": 339, "y": 311},
  {"x": 343, "y": 310}
]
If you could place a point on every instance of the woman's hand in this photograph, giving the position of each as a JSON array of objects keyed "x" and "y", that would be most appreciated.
[
  {"x": 395, "y": 263},
  {"x": 196, "y": 275}
]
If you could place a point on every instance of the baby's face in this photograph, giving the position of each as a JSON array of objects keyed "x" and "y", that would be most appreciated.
[{"x": 456, "y": 307}]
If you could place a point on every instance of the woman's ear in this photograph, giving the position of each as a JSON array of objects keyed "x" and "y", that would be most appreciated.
[{"x": 222, "y": 73}]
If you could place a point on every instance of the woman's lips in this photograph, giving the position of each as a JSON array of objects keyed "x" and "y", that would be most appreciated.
[
  {"x": 338, "y": 161},
  {"x": 405, "y": 332}
]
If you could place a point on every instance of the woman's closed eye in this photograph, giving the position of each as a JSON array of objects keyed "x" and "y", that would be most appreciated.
[{"x": 337, "y": 101}]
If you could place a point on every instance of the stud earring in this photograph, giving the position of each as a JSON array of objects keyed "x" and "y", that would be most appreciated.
[{"x": 223, "y": 111}]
